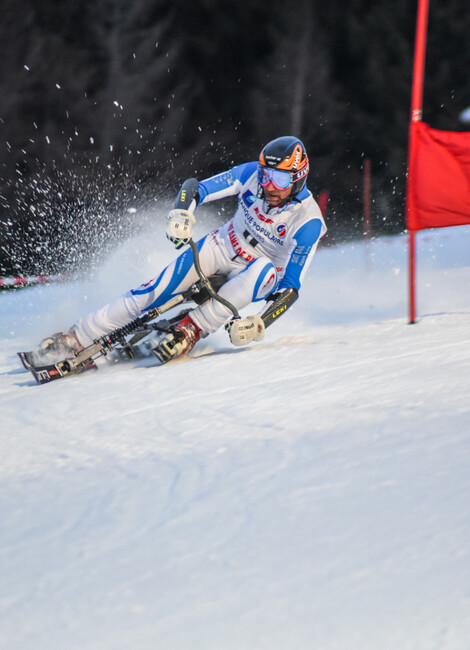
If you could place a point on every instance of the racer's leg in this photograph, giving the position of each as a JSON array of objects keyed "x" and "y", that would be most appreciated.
[
  {"x": 254, "y": 283},
  {"x": 175, "y": 278}
]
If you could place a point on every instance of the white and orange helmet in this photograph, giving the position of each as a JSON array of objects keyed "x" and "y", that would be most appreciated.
[{"x": 284, "y": 162}]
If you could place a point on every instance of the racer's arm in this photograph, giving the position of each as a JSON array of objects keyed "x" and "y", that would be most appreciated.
[
  {"x": 227, "y": 183},
  {"x": 192, "y": 193},
  {"x": 305, "y": 243},
  {"x": 300, "y": 257}
]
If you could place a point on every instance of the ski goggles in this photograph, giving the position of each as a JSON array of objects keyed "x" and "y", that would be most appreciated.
[{"x": 280, "y": 179}]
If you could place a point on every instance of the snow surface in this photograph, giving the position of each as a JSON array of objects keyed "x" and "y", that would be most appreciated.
[{"x": 311, "y": 491}]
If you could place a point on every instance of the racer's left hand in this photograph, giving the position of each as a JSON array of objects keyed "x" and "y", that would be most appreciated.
[{"x": 245, "y": 330}]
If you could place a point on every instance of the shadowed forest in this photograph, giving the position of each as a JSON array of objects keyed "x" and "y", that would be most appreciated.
[{"x": 107, "y": 106}]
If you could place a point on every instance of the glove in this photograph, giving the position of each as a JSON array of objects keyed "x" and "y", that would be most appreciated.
[
  {"x": 179, "y": 229},
  {"x": 245, "y": 330}
]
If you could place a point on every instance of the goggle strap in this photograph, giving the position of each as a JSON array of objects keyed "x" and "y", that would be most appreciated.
[{"x": 301, "y": 173}]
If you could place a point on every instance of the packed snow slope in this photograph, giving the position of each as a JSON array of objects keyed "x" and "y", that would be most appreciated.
[{"x": 308, "y": 492}]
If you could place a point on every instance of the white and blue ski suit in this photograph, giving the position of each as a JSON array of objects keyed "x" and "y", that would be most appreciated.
[{"x": 261, "y": 249}]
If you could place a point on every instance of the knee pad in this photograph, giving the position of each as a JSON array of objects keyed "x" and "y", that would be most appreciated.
[{"x": 266, "y": 281}]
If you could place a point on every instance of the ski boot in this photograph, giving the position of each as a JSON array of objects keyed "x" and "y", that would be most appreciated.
[
  {"x": 59, "y": 346},
  {"x": 180, "y": 340}
]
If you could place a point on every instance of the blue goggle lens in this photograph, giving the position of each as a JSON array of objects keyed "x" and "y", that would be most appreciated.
[{"x": 280, "y": 179}]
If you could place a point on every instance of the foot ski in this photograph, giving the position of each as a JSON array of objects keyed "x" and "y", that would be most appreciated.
[{"x": 46, "y": 373}]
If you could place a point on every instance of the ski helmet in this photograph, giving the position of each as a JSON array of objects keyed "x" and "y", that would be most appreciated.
[{"x": 284, "y": 161}]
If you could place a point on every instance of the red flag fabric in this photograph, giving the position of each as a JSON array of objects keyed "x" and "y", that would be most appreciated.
[{"x": 439, "y": 178}]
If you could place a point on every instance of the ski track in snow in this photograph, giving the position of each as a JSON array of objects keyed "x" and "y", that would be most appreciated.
[{"x": 309, "y": 491}]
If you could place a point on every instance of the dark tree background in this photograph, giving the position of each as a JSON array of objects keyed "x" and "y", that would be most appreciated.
[{"x": 109, "y": 105}]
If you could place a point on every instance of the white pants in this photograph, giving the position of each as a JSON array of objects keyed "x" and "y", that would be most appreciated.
[{"x": 247, "y": 282}]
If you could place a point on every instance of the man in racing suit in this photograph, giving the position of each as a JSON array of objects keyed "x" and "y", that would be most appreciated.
[{"x": 264, "y": 252}]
